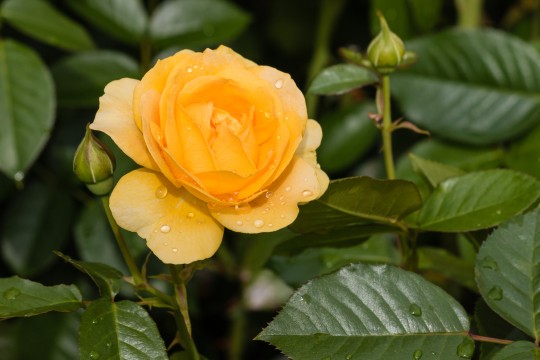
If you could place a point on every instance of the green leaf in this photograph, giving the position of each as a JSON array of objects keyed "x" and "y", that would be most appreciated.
[
  {"x": 450, "y": 266},
  {"x": 520, "y": 350},
  {"x": 370, "y": 312},
  {"x": 434, "y": 171},
  {"x": 348, "y": 134},
  {"x": 477, "y": 200},
  {"x": 508, "y": 271},
  {"x": 80, "y": 78},
  {"x": 123, "y": 20},
  {"x": 106, "y": 277},
  {"x": 524, "y": 154},
  {"x": 196, "y": 22},
  {"x": 477, "y": 87},
  {"x": 121, "y": 330},
  {"x": 27, "y": 107},
  {"x": 359, "y": 201},
  {"x": 41, "y": 21},
  {"x": 341, "y": 78},
  {"x": 21, "y": 297},
  {"x": 35, "y": 223}
]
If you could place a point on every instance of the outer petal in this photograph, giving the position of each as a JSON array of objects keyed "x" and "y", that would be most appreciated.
[
  {"x": 115, "y": 118},
  {"x": 301, "y": 182},
  {"x": 177, "y": 226}
]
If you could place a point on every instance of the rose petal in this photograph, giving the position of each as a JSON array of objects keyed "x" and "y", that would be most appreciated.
[
  {"x": 177, "y": 226},
  {"x": 310, "y": 142},
  {"x": 301, "y": 182},
  {"x": 115, "y": 118}
]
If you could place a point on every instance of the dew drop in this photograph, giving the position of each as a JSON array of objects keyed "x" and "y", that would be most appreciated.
[
  {"x": 267, "y": 114},
  {"x": 165, "y": 244},
  {"x": 94, "y": 355},
  {"x": 498, "y": 212},
  {"x": 165, "y": 229},
  {"x": 307, "y": 193},
  {"x": 489, "y": 263},
  {"x": 417, "y": 355},
  {"x": 239, "y": 222},
  {"x": 282, "y": 216},
  {"x": 279, "y": 137},
  {"x": 268, "y": 194},
  {"x": 19, "y": 176},
  {"x": 279, "y": 84},
  {"x": 288, "y": 188},
  {"x": 348, "y": 357},
  {"x": 264, "y": 212},
  {"x": 174, "y": 250},
  {"x": 495, "y": 293},
  {"x": 465, "y": 350},
  {"x": 161, "y": 192},
  {"x": 11, "y": 293},
  {"x": 258, "y": 223},
  {"x": 108, "y": 344},
  {"x": 281, "y": 198},
  {"x": 190, "y": 215},
  {"x": 270, "y": 225},
  {"x": 189, "y": 69},
  {"x": 95, "y": 321},
  {"x": 415, "y": 310}
]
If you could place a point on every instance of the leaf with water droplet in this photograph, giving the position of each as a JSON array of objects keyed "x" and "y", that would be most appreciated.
[
  {"x": 415, "y": 310},
  {"x": 465, "y": 350},
  {"x": 11, "y": 293},
  {"x": 495, "y": 293},
  {"x": 417, "y": 355}
]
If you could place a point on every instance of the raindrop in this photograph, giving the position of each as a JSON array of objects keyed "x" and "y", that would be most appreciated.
[
  {"x": 495, "y": 293},
  {"x": 282, "y": 198},
  {"x": 174, "y": 250},
  {"x": 415, "y": 310},
  {"x": 11, "y": 293},
  {"x": 264, "y": 212},
  {"x": 267, "y": 114},
  {"x": 417, "y": 355},
  {"x": 165, "y": 229},
  {"x": 307, "y": 193},
  {"x": 165, "y": 244},
  {"x": 108, "y": 344},
  {"x": 282, "y": 216},
  {"x": 279, "y": 137},
  {"x": 279, "y": 84},
  {"x": 489, "y": 263},
  {"x": 348, "y": 357},
  {"x": 270, "y": 225},
  {"x": 268, "y": 194},
  {"x": 499, "y": 212},
  {"x": 258, "y": 223},
  {"x": 19, "y": 176},
  {"x": 465, "y": 350},
  {"x": 239, "y": 222},
  {"x": 189, "y": 69},
  {"x": 161, "y": 192},
  {"x": 95, "y": 321},
  {"x": 288, "y": 188},
  {"x": 190, "y": 215},
  {"x": 94, "y": 355}
]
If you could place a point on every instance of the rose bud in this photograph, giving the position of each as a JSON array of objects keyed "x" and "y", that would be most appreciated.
[{"x": 386, "y": 50}]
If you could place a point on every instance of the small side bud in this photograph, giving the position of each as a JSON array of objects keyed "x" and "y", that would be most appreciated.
[
  {"x": 94, "y": 164},
  {"x": 386, "y": 50}
]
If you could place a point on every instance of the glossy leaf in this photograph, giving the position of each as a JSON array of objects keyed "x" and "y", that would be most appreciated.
[
  {"x": 80, "y": 78},
  {"x": 369, "y": 312},
  {"x": 524, "y": 154},
  {"x": 338, "y": 79},
  {"x": 196, "y": 22},
  {"x": 35, "y": 223},
  {"x": 41, "y": 21},
  {"x": 477, "y": 200},
  {"x": 348, "y": 134},
  {"x": 27, "y": 107},
  {"x": 124, "y": 20},
  {"x": 359, "y": 201},
  {"x": 21, "y": 297},
  {"x": 507, "y": 272},
  {"x": 520, "y": 350},
  {"x": 106, "y": 277},
  {"x": 434, "y": 171},
  {"x": 121, "y": 330},
  {"x": 477, "y": 87}
]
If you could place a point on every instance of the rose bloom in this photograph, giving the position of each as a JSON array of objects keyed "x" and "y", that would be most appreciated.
[{"x": 222, "y": 141}]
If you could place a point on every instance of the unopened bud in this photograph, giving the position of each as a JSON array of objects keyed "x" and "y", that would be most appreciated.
[
  {"x": 94, "y": 164},
  {"x": 386, "y": 51}
]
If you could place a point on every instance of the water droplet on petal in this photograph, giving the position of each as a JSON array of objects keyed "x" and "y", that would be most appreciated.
[
  {"x": 267, "y": 114},
  {"x": 161, "y": 192},
  {"x": 189, "y": 69},
  {"x": 307, "y": 193},
  {"x": 264, "y": 212},
  {"x": 282, "y": 216},
  {"x": 489, "y": 263},
  {"x": 268, "y": 194},
  {"x": 165, "y": 244},
  {"x": 279, "y": 84},
  {"x": 465, "y": 350},
  {"x": 288, "y": 188},
  {"x": 165, "y": 229},
  {"x": 495, "y": 293},
  {"x": 190, "y": 215},
  {"x": 11, "y": 293},
  {"x": 270, "y": 225},
  {"x": 174, "y": 250},
  {"x": 239, "y": 222},
  {"x": 417, "y": 355},
  {"x": 94, "y": 355},
  {"x": 415, "y": 310},
  {"x": 258, "y": 223}
]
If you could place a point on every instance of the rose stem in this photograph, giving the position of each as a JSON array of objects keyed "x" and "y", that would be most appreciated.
[
  {"x": 182, "y": 314},
  {"x": 387, "y": 129},
  {"x": 133, "y": 269}
]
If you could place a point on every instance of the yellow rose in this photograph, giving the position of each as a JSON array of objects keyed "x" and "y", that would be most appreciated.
[{"x": 223, "y": 142}]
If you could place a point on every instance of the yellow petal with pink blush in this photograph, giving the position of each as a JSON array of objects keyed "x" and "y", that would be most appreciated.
[
  {"x": 177, "y": 226},
  {"x": 278, "y": 206},
  {"x": 115, "y": 118}
]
